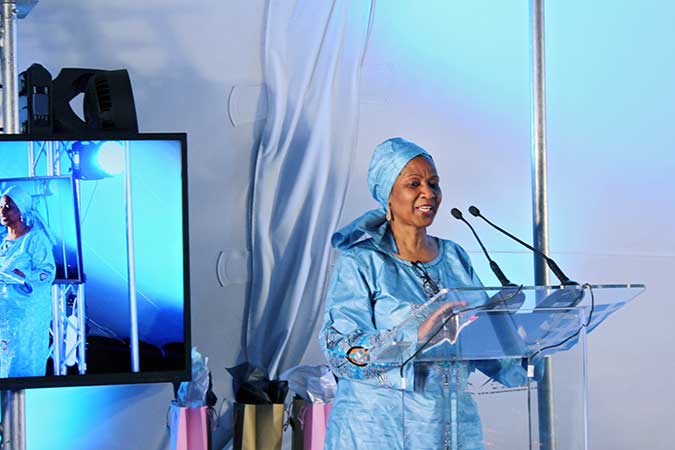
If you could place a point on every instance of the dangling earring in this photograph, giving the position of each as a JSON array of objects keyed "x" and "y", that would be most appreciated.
[{"x": 388, "y": 216}]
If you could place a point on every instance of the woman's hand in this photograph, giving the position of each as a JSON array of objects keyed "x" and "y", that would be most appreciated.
[{"x": 436, "y": 318}]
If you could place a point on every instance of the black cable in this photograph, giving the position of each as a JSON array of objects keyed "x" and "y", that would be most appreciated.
[
  {"x": 91, "y": 199},
  {"x": 572, "y": 336},
  {"x": 452, "y": 315},
  {"x": 69, "y": 153}
]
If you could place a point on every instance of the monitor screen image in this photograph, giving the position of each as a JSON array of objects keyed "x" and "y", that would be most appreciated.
[{"x": 94, "y": 285}]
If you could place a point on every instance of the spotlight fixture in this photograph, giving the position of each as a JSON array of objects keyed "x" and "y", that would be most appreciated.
[
  {"x": 96, "y": 160},
  {"x": 35, "y": 86},
  {"x": 108, "y": 103}
]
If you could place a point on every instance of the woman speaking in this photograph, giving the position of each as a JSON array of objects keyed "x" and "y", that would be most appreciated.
[{"x": 388, "y": 263}]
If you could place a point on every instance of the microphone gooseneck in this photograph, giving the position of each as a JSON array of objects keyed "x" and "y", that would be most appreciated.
[
  {"x": 457, "y": 214},
  {"x": 564, "y": 280}
]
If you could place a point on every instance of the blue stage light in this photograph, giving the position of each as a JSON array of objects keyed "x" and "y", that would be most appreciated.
[
  {"x": 111, "y": 158},
  {"x": 96, "y": 160}
]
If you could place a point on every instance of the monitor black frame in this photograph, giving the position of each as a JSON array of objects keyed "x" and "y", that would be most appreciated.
[{"x": 167, "y": 376}]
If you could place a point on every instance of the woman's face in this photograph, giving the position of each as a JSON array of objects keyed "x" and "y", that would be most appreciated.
[
  {"x": 9, "y": 213},
  {"x": 416, "y": 194}
]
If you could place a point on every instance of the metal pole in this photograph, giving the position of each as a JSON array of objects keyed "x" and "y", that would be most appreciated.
[
  {"x": 49, "y": 150},
  {"x": 81, "y": 306},
  {"x": 584, "y": 386},
  {"x": 540, "y": 205},
  {"x": 31, "y": 159},
  {"x": 57, "y": 333},
  {"x": 131, "y": 265},
  {"x": 81, "y": 327},
  {"x": 13, "y": 420},
  {"x": 10, "y": 87},
  {"x": 13, "y": 402},
  {"x": 59, "y": 292}
]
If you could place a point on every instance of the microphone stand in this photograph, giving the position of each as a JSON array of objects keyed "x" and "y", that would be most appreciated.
[
  {"x": 457, "y": 214},
  {"x": 564, "y": 280}
]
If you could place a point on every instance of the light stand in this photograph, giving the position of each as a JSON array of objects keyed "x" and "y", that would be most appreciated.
[
  {"x": 131, "y": 263},
  {"x": 13, "y": 402}
]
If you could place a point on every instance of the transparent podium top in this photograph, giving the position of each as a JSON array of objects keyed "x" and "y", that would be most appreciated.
[{"x": 496, "y": 323}]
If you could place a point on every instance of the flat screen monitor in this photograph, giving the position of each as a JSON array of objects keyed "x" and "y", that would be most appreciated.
[{"x": 94, "y": 285}]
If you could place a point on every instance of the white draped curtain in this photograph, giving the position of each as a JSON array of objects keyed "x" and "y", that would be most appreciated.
[{"x": 313, "y": 52}]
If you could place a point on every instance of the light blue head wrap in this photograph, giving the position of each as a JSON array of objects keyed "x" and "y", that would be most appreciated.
[
  {"x": 389, "y": 159},
  {"x": 24, "y": 201},
  {"x": 21, "y": 198}
]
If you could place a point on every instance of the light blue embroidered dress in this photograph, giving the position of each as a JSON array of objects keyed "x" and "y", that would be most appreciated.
[
  {"x": 25, "y": 317},
  {"x": 372, "y": 291}
]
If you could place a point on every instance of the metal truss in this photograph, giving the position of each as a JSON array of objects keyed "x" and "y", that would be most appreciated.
[{"x": 68, "y": 301}]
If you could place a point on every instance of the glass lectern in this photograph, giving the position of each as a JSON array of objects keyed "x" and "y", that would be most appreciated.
[{"x": 493, "y": 345}]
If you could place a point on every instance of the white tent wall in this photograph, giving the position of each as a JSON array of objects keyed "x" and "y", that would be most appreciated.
[
  {"x": 456, "y": 79},
  {"x": 611, "y": 190},
  {"x": 453, "y": 76}
]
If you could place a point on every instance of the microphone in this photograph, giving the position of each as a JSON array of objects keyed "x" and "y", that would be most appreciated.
[
  {"x": 457, "y": 214},
  {"x": 506, "y": 299},
  {"x": 551, "y": 264}
]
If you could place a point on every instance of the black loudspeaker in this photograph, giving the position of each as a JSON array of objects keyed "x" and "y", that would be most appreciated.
[
  {"x": 35, "y": 109},
  {"x": 108, "y": 101}
]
